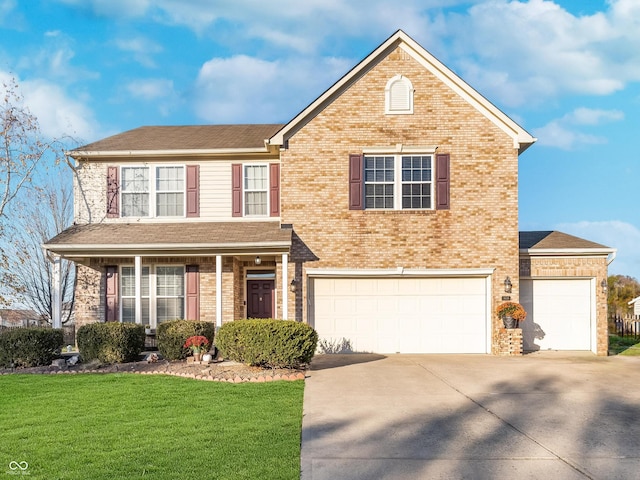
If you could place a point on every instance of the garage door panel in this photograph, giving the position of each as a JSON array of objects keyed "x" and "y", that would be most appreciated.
[
  {"x": 559, "y": 314},
  {"x": 407, "y": 315}
]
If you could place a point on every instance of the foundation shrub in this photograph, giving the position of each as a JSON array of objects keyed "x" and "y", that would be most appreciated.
[
  {"x": 172, "y": 335},
  {"x": 111, "y": 342},
  {"x": 268, "y": 342},
  {"x": 29, "y": 347}
]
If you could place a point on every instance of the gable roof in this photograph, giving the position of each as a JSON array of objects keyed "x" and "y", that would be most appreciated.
[
  {"x": 190, "y": 139},
  {"x": 521, "y": 138},
  {"x": 549, "y": 242}
]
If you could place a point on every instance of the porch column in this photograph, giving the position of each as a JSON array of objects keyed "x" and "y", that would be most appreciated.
[
  {"x": 218, "y": 291},
  {"x": 138, "y": 288},
  {"x": 56, "y": 301},
  {"x": 285, "y": 286}
]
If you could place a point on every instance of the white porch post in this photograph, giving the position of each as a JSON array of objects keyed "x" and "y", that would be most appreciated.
[
  {"x": 138, "y": 288},
  {"x": 218, "y": 290},
  {"x": 56, "y": 301},
  {"x": 285, "y": 286}
]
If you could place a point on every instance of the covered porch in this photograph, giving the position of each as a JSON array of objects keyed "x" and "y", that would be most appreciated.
[{"x": 152, "y": 272}]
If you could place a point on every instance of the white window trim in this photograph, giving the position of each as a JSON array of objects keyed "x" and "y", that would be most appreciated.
[
  {"x": 387, "y": 96},
  {"x": 245, "y": 190},
  {"x": 153, "y": 295},
  {"x": 152, "y": 190},
  {"x": 397, "y": 180}
]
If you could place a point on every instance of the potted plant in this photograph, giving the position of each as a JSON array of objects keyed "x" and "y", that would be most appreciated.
[
  {"x": 197, "y": 344},
  {"x": 511, "y": 314}
]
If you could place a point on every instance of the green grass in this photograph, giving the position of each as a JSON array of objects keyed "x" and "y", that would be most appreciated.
[
  {"x": 116, "y": 426},
  {"x": 627, "y": 346}
]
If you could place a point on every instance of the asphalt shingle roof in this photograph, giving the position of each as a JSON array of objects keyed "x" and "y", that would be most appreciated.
[
  {"x": 190, "y": 137},
  {"x": 554, "y": 240},
  {"x": 178, "y": 234}
]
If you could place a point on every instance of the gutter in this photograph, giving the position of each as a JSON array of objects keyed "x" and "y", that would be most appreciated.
[{"x": 78, "y": 154}]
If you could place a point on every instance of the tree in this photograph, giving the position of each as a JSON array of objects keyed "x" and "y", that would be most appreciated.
[
  {"x": 621, "y": 290},
  {"x": 43, "y": 213},
  {"x": 24, "y": 154}
]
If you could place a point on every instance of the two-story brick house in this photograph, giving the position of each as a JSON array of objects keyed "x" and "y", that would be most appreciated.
[{"x": 385, "y": 214}]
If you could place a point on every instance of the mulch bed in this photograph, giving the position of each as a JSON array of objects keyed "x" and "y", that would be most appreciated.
[{"x": 217, "y": 371}]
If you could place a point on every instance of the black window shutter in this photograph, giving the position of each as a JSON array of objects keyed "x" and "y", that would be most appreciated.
[{"x": 356, "y": 182}]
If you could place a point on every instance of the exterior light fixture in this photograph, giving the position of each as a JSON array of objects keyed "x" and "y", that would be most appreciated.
[
  {"x": 258, "y": 260},
  {"x": 507, "y": 285},
  {"x": 604, "y": 286},
  {"x": 293, "y": 285}
]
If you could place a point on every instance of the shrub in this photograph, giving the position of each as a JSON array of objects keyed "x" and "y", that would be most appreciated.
[
  {"x": 268, "y": 342},
  {"x": 173, "y": 334},
  {"x": 29, "y": 347},
  {"x": 111, "y": 342}
]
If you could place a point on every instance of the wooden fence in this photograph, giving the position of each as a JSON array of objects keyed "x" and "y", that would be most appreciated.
[{"x": 625, "y": 325}]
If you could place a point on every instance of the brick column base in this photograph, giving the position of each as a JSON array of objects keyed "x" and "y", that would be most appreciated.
[{"x": 509, "y": 342}]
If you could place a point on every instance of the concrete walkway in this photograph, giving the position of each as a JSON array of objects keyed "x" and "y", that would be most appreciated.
[{"x": 545, "y": 416}]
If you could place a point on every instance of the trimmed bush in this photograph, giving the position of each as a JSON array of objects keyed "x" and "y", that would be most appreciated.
[
  {"x": 268, "y": 342},
  {"x": 111, "y": 342},
  {"x": 172, "y": 335},
  {"x": 29, "y": 347}
]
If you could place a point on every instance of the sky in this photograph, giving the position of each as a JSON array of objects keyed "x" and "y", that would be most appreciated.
[{"x": 568, "y": 71}]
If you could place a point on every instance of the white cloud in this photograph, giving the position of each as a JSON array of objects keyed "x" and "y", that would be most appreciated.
[
  {"x": 58, "y": 114},
  {"x": 623, "y": 236},
  {"x": 522, "y": 52},
  {"x": 112, "y": 8},
  {"x": 248, "y": 89},
  {"x": 141, "y": 48},
  {"x": 563, "y": 133},
  {"x": 151, "y": 89},
  {"x": 160, "y": 91}
]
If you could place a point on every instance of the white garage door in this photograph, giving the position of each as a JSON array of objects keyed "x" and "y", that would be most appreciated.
[
  {"x": 559, "y": 314},
  {"x": 406, "y": 315}
]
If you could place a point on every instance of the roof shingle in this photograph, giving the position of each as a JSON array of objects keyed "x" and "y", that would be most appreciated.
[
  {"x": 190, "y": 137},
  {"x": 554, "y": 240}
]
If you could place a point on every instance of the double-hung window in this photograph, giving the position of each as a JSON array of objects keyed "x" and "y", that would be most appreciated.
[
  {"x": 135, "y": 191},
  {"x": 169, "y": 293},
  {"x": 170, "y": 191},
  {"x": 256, "y": 189},
  {"x": 162, "y": 293},
  {"x": 398, "y": 182},
  {"x": 128, "y": 289},
  {"x": 157, "y": 191}
]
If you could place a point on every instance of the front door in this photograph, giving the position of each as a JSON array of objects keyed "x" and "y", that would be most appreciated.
[{"x": 260, "y": 298}]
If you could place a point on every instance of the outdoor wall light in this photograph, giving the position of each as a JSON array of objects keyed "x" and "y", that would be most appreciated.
[
  {"x": 258, "y": 260},
  {"x": 293, "y": 285},
  {"x": 604, "y": 286},
  {"x": 507, "y": 285}
]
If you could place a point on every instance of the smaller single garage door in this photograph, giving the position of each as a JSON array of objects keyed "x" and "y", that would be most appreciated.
[
  {"x": 559, "y": 314},
  {"x": 402, "y": 315}
]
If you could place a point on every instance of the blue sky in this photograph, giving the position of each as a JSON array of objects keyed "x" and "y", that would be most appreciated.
[{"x": 568, "y": 71}]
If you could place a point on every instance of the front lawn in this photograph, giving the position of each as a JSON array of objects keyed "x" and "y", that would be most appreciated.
[
  {"x": 627, "y": 346},
  {"x": 106, "y": 426}
]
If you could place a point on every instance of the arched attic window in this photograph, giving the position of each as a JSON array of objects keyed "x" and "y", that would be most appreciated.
[{"x": 398, "y": 96}]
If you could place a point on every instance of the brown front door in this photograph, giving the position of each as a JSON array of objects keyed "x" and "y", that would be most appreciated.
[{"x": 260, "y": 298}]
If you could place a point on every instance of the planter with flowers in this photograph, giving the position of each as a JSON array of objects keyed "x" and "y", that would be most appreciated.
[
  {"x": 511, "y": 313},
  {"x": 198, "y": 344}
]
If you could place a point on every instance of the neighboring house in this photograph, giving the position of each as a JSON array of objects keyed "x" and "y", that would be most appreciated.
[
  {"x": 385, "y": 215},
  {"x": 635, "y": 305},
  {"x": 20, "y": 318}
]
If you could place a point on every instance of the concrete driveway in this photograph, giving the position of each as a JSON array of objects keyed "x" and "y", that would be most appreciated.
[{"x": 547, "y": 415}]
